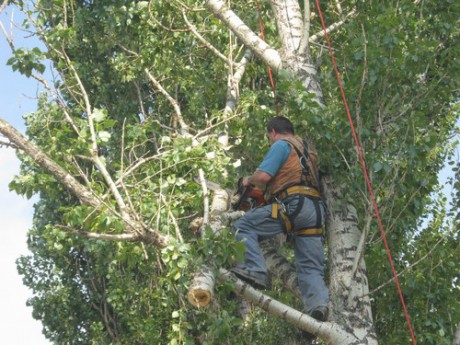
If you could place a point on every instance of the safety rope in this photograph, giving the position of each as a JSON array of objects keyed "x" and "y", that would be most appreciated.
[
  {"x": 361, "y": 158},
  {"x": 270, "y": 74},
  {"x": 366, "y": 175}
]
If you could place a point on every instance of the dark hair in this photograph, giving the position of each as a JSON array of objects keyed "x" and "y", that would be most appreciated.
[{"x": 281, "y": 125}]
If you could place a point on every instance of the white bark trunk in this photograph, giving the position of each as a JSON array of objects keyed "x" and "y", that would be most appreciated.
[
  {"x": 348, "y": 306},
  {"x": 288, "y": 18},
  {"x": 245, "y": 34},
  {"x": 330, "y": 332},
  {"x": 200, "y": 292},
  {"x": 457, "y": 335},
  {"x": 278, "y": 266},
  {"x": 290, "y": 25},
  {"x": 349, "y": 300},
  {"x": 351, "y": 318}
]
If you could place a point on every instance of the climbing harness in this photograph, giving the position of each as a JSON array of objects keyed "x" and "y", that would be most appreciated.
[
  {"x": 363, "y": 165},
  {"x": 309, "y": 168},
  {"x": 279, "y": 210}
]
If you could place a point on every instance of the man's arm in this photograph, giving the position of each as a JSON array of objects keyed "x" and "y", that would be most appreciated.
[
  {"x": 259, "y": 178},
  {"x": 272, "y": 162}
]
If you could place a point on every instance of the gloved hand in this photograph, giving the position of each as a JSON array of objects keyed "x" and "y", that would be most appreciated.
[
  {"x": 245, "y": 181},
  {"x": 247, "y": 196}
]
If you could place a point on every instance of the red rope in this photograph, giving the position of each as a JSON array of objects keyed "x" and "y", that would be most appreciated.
[
  {"x": 270, "y": 75},
  {"x": 363, "y": 165}
]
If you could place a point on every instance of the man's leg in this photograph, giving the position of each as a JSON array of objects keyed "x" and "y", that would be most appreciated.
[
  {"x": 253, "y": 226},
  {"x": 309, "y": 254}
]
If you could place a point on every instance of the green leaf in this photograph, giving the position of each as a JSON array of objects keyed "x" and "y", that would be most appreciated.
[
  {"x": 377, "y": 167},
  {"x": 99, "y": 115},
  {"x": 104, "y": 136}
]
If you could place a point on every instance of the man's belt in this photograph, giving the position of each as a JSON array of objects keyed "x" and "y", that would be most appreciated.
[
  {"x": 278, "y": 209},
  {"x": 309, "y": 232},
  {"x": 302, "y": 190}
]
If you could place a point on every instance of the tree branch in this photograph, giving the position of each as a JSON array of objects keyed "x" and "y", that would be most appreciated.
[
  {"x": 76, "y": 188},
  {"x": 290, "y": 26},
  {"x": 4, "y": 142},
  {"x": 3, "y": 5},
  {"x": 278, "y": 265},
  {"x": 94, "y": 146},
  {"x": 327, "y": 331},
  {"x": 201, "y": 290},
  {"x": 406, "y": 269},
  {"x": 245, "y": 34},
  {"x": 48, "y": 164},
  {"x": 184, "y": 127},
  {"x": 233, "y": 84},
  {"x": 179, "y": 237},
  {"x": 205, "y": 42},
  {"x": 205, "y": 198},
  {"x": 332, "y": 27},
  {"x": 43, "y": 82},
  {"x": 303, "y": 48},
  {"x": 360, "y": 250},
  {"x": 97, "y": 236}
]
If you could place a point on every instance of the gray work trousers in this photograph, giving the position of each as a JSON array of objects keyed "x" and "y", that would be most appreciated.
[{"x": 258, "y": 224}]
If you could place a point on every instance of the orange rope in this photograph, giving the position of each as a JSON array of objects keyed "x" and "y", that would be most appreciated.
[
  {"x": 270, "y": 75},
  {"x": 366, "y": 175}
]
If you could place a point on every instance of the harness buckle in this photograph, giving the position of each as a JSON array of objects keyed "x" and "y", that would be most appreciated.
[{"x": 281, "y": 205}]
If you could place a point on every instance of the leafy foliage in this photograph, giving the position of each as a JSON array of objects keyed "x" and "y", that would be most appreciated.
[{"x": 396, "y": 62}]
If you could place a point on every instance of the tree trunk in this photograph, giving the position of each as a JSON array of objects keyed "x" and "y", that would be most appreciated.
[
  {"x": 349, "y": 301},
  {"x": 457, "y": 335},
  {"x": 200, "y": 292},
  {"x": 350, "y": 305},
  {"x": 330, "y": 332},
  {"x": 291, "y": 31}
]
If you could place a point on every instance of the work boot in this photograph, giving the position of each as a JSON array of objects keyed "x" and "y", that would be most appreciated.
[
  {"x": 319, "y": 314},
  {"x": 257, "y": 280}
]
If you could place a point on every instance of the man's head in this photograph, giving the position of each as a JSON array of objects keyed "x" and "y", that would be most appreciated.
[{"x": 279, "y": 126}]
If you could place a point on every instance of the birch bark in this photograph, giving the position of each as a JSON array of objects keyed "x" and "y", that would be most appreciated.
[{"x": 348, "y": 307}]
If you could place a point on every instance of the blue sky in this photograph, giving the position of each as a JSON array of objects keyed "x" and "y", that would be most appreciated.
[{"x": 17, "y": 98}]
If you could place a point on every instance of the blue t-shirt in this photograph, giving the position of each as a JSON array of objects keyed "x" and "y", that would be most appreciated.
[{"x": 275, "y": 157}]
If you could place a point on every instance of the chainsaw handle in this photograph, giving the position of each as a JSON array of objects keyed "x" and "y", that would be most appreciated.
[{"x": 241, "y": 192}]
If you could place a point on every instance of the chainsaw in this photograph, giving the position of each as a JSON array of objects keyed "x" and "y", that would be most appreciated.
[{"x": 247, "y": 197}]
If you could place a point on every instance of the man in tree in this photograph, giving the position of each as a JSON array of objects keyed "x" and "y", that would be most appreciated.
[{"x": 290, "y": 174}]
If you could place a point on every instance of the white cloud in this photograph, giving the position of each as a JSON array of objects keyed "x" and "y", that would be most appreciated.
[{"x": 16, "y": 323}]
